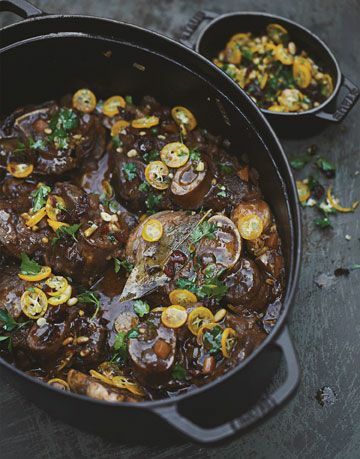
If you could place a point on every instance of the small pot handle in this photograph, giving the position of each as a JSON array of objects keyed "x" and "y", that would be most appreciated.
[
  {"x": 21, "y": 8},
  {"x": 346, "y": 104},
  {"x": 187, "y": 37},
  {"x": 263, "y": 407}
]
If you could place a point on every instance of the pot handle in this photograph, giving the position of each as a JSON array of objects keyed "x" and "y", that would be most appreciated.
[
  {"x": 346, "y": 104},
  {"x": 262, "y": 408},
  {"x": 21, "y": 8},
  {"x": 194, "y": 25}
]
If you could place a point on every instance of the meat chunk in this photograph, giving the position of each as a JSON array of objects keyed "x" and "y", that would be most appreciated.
[
  {"x": 11, "y": 289},
  {"x": 247, "y": 287},
  {"x": 152, "y": 352},
  {"x": 55, "y": 140},
  {"x": 93, "y": 388}
]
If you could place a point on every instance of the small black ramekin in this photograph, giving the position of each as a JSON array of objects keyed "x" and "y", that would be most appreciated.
[{"x": 208, "y": 32}]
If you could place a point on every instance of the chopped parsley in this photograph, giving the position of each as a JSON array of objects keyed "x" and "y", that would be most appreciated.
[
  {"x": 90, "y": 298},
  {"x": 129, "y": 170},
  {"x": 39, "y": 144},
  {"x": 29, "y": 266},
  {"x": 116, "y": 141},
  {"x": 323, "y": 222},
  {"x": 212, "y": 287},
  {"x": 204, "y": 229},
  {"x": 122, "y": 264},
  {"x": 195, "y": 156},
  {"x": 212, "y": 339},
  {"x": 64, "y": 121},
  {"x": 20, "y": 147},
  {"x": 144, "y": 187},
  {"x": 64, "y": 231},
  {"x": 9, "y": 325},
  {"x": 129, "y": 100},
  {"x": 39, "y": 196},
  {"x": 178, "y": 372},
  {"x": 121, "y": 345},
  {"x": 152, "y": 155},
  {"x": 300, "y": 162},
  {"x": 226, "y": 169},
  {"x": 326, "y": 167},
  {"x": 152, "y": 202},
  {"x": 141, "y": 308}
]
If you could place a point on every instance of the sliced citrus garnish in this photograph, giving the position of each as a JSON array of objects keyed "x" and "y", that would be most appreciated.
[
  {"x": 199, "y": 317},
  {"x": 84, "y": 100},
  {"x": 175, "y": 154},
  {"x": 19, "y": 170},
  {"x": 156, "y": 173},
  {"x": 152, "y": 230},
  {"x": 44, "y": 273},
  {"x": 174, "y": 316},
  {"x": 54, "y": 206},
  {"x": 228, "y": 340},
  {"x": 112, "y": 104},
  {"x": 62, "y": 298},
  {"x": 182, "y": 297},
  {"x": 183, "y": 117},
  {"x": 250, "y": 227},
  {"x": 34, "y": 303},
  {"x": 57, "y": 284},
  {"x": 36, "y": 217},
  {"x": 145, "y": 122}
]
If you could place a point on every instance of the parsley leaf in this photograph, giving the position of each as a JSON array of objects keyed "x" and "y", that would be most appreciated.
[
  {"x": 178, "y": 372},
  {"x": 9, "y": 324},
  {"x": 116, "y": 141},
  {"x": 129, "y": 170},
  {"x": 39, "y": 196},
  {"x": 61, "y": 123},
  {"x": 212, "y": 287},
  {"x": 203, "y": 230},
  {"x": 326, "y": 167},
  {"x": 195, "y": 156},
  {"x": 226, "y": 169},
  {"x": 122, "y": 264},
  {"x": 39, "y": 144},
  {"x": 29, "y": 266},
  {"x": 64, "y": 231},
  {"x": 143, "y": 187},
  {"x": 212, "y": 339},
  {"x": 129, "y": 100},
  {"x": 300, "y": 162},
  {"x": 121, "y": 345},
  {"x": 323, "y": 222},
  {"x": 90, "y": 298},
  {"x": 141, "y": 308}
]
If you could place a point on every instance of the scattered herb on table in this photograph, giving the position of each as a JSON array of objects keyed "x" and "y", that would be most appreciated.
[{"x": 326, "y": 167}]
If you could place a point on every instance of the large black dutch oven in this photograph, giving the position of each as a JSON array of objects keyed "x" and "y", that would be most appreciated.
[
  {"x": 208, "y": 32},
  {"x": 45, "y": 56}
]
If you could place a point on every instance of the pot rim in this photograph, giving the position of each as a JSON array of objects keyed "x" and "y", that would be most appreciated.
[
  {"x": 305, "y": 31},
  {"x": 290, "y": 196}
]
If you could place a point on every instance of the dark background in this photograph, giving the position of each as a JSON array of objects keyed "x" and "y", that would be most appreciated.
[{"x": 325, "y": 322}]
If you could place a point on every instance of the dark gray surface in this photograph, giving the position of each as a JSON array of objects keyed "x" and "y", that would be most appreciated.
[{"x": 324, "y": 324}]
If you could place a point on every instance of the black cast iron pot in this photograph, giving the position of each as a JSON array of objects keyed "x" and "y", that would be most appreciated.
[
  {"x": 208, "y": 33},
  {"x": 46, "y": 56}
]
